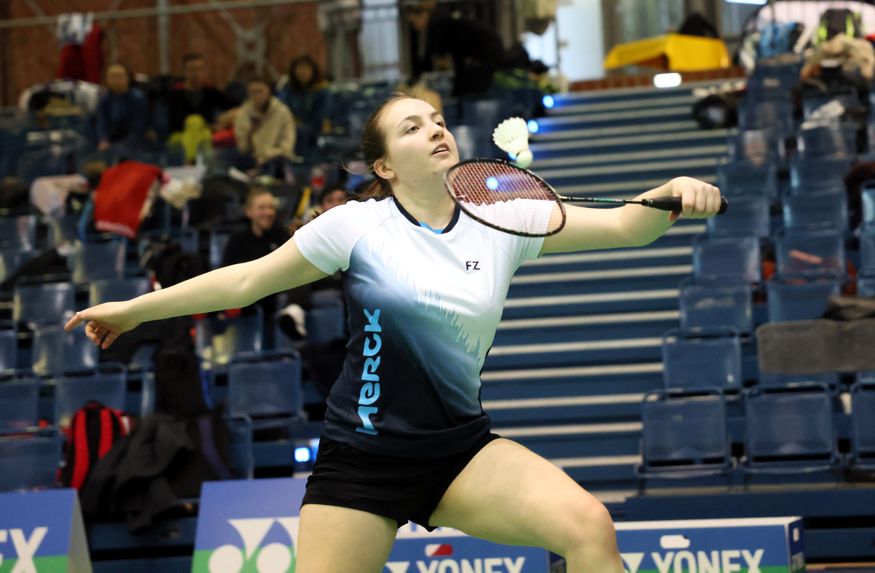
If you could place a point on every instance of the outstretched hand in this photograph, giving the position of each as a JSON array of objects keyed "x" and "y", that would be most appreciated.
[
  {"x": 104, "y": 323},
  {"x": 700, "y": 199}
]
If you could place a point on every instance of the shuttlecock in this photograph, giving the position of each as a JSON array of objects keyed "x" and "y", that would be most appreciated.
[{"x": 512, "y": 136}]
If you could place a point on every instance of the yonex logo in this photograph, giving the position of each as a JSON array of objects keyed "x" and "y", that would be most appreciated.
[{"x": 272, "y": 558}]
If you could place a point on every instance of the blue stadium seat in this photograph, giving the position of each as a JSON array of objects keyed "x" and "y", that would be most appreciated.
[
  {"x": 739, "y": 178},
  {"x": 789, "y": 429},
  {"x": 720, "y": 304},
  {"x": 484, "y": 113},
  {"x": 731, "y": 259},
  {"x": 766, "y": 379},
  {"x": 757, "y": 146},
  {"x": 107, "y": 386},
  {"x": 868, "y": 200},
  {"x": 326, "y": 323},
  {"x": 217, "y": 248},
  {"x": 18, "y": 232},
  {"x": 822, "y": 141},
  {"x": 774, "y": 114},
  {"x": 219, "y": 338},
  {"x": 43, "y": 303},
  {"x": 29, "y": 462},
  {"x": 109, "y": 290},
  {"x": 821, "y": 174},
  {"x": 56, "y": 351},
  {"x": 810, "y": 251},
  {"x": 800, "y": 297},
  {"x": 865, "y": 286},
  {"x": 99, "y": 260},
  {"x": 701, "y": 358},
  {"x": 863, "y": 424},
  {"x": 266, "y": 388},
  {"x": 867, "y": 251},
  {"x": 749, "y": 216},
  {"x": 19, "y": 401},
  {"x": 242, "y": 458},
  {"x": 810, "y": 212},
  {"x": 684, "y": 435},
  {"x": 8, "y": 346},
  {"x": 11, "y": 259}
]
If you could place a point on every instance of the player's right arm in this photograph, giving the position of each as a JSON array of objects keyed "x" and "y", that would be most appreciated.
[{"x": 234, "y": 286}]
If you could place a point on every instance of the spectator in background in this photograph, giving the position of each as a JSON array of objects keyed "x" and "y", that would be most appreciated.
[
  {"x": 195, "y": 96},
  {"x": 330, "y": 197},
  {"x": 264, "y": 235},
  {"x": 306, "y": 95},
  {"x": 265, "y": 129},
  {"x": 122, "y": 112},
  {"x": 442, "y": 42}
]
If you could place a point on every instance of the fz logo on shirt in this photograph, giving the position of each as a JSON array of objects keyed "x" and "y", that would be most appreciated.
[{"x": 472, "y": 265}]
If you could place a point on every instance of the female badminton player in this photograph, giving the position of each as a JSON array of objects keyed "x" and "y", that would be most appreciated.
[{"x": 405, "y": 437}]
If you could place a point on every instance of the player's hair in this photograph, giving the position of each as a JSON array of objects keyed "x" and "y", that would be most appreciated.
[{"x": 374, "y": 149}]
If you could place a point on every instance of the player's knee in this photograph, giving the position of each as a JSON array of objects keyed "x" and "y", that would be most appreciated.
[{"x": 590, "y": 527}]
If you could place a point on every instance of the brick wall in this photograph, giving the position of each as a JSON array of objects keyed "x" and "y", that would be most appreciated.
[{"x": 31, "y": 54}]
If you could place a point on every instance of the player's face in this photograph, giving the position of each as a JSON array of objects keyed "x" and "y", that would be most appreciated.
[{"x": 418, "y": 144}]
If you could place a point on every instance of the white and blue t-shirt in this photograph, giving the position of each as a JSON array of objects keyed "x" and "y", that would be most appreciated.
[{"x": 423, "y": 308}]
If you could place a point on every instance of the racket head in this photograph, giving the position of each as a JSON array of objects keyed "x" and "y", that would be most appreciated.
[{"x": 502, "y": 196}]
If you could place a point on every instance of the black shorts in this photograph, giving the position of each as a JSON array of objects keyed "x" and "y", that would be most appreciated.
[{"x": 403, "y": 489}]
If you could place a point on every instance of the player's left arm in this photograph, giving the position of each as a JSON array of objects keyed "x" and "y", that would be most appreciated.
[{"x": 632, "y": 225}]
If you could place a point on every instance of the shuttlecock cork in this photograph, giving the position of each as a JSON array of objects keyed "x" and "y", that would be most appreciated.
[{"x": 512, "y": 136}]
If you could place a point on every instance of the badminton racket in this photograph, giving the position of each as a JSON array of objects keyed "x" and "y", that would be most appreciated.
[{"x": 508, "y": 198}]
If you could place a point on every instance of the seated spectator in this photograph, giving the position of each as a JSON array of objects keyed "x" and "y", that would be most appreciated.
[
  {"x": 122, "y": 112},
  {"x": 330, "y": 197},
  {"x": 194, "y": 96},
  {"x": 306, "y": 95},
  {"x": 264, "y": 129},
  {"x": 263, "y": 236}
]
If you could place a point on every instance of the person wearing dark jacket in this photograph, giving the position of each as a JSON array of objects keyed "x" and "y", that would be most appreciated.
[
  {"x": 123, "y": 110},
  {"x": 194, "y": 96},
  {"x": 263, "y": 236}
]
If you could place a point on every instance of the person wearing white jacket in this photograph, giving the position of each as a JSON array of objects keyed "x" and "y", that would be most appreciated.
[{"x": 263, "y": 127}]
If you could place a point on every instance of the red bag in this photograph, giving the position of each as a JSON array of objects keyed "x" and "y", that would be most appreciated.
[{"x": 119, "y": 200}]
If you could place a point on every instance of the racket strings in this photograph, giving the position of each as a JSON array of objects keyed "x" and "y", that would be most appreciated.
[{"x": 505, "y": 197}]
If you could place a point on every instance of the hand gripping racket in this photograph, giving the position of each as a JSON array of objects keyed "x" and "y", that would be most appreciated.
[{"x": 505, "y": 197}]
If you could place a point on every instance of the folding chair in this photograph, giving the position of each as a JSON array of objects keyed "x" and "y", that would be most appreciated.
[
  {"x": 709, "y": 358},
  {"x": 719, "y": 304},
  {"x": 799, "y": 297},
  {"x": 684, "y": 435}
]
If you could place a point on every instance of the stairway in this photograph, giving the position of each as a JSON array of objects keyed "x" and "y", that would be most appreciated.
[{"x": 580, "y": 340}]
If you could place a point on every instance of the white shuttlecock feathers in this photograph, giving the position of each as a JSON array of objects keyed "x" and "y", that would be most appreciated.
[{"x": 512, "y": 136}]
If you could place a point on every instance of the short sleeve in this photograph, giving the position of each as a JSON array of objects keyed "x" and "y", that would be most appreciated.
[
  {"x": 327, "y": 241},
  {"x": 530, "y": 248}
]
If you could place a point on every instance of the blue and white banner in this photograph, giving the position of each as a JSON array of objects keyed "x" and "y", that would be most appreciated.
[
  {"x": 251, "y": 526},
  {"x": 42, "y": 532},
  {"x": 757, "y": 545}
]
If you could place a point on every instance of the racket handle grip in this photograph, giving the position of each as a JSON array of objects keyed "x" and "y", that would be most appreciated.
[{"x": 674, "y": 204}]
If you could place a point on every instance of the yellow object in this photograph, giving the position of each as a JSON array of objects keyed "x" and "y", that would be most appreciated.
[
  {"x": 195, "y": 136},
  {"x": 672, "y": 52}
]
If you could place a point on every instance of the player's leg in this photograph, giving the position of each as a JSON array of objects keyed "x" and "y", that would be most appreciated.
[
  {"x": 333, "y": 539},
  {"x": 509, "y": 494}
]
